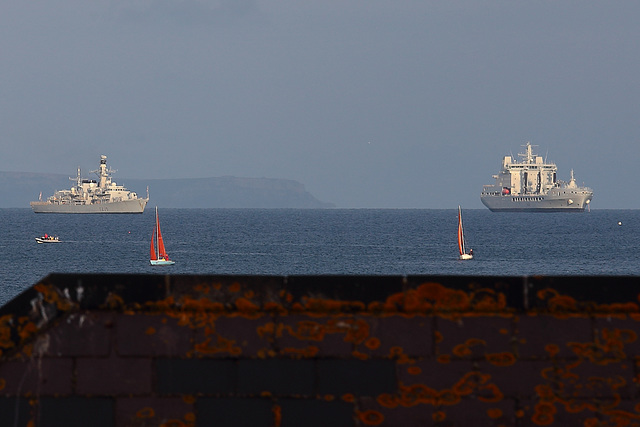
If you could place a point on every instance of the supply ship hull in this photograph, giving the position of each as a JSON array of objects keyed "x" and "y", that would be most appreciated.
[
  {"x": 531, "y": 185},
  {"x": 89, "y": 196}
]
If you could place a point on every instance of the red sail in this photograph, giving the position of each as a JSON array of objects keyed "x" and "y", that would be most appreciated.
[
  {"x": 162, "y": 253},
  {"x": 152, "y": 255},
  {"x": 460, "y": 234}
]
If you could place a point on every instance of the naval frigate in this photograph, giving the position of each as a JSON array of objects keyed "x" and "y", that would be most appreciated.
[
  {"x": 89, "y": 196},
  {"x": 531, "y": 185}
]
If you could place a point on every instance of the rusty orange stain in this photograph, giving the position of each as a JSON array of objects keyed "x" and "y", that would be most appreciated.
[
  {"x": 53, "y": 295},
  {"x": 349, "y": 398},
  {"x": 543, "y": 414},
  {"x": 202, "y": 288},
  {"x": 277, "y": 415},
  {"x": 246, "y": 305},
  {"x": 150, "y": 330},
  {"x": 371, "y": 417},
  {"x": 444, "y": 358},
  {"x": 235, "y": 287},
  {"x": 464, "y": 350},
  {"x": 552, "y": 349},
  {"x": 114, "y": 301},
  {"x": 438, "y": 336},
  {"x": 501, "y": 359},
  {"x": 447, "y": 397},
  {"x": 221, "y": 345},
  {"x": 494, "y": 413},
  {"x": 359, "y": 355},
  {"x": 414, "y": 370},
  {"x": 146, "y": 412},
  {"x": 190, "y": 416},
  {"x": 308, "y": 351},
  {"x": 27, "y": 330},
  {"x": 372, "y": 343},
  {"x": 439, "y": 416},
  {"x": 189, "y": 398},
  {"x": 3, "y": 383},
  {"x": 175, "y": 423}
]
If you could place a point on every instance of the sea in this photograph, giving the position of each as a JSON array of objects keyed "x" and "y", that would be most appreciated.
[{"x": 288, "y": 242}]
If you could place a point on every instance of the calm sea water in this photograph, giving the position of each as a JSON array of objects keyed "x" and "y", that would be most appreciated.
[{"x": 332, "y": 241}]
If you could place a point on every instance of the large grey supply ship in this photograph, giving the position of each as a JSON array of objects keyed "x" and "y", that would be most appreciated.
[
  {"x": 89, "y": 196},
  {"x": 531, "y": 186}
]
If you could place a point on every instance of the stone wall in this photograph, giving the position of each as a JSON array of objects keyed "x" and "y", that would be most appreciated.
[{"x": 138, "y": 350}]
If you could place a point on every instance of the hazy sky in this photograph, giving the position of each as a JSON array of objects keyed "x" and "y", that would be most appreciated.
[{"x": 368, "y": 103}]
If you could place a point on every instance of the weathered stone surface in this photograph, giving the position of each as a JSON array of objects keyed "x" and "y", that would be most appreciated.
[{"x": 138, "y": 350}]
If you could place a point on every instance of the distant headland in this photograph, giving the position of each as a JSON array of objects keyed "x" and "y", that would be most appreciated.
[{"x": 17, "y": 189}]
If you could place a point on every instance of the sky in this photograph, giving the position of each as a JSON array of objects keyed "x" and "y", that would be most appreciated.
[{"x": 368, "y": 103}]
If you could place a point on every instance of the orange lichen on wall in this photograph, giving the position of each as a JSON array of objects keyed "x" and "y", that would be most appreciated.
[
  {"x": 501, "y": 359},
  {"x": 608, "y": 346},
  {"x": 421, "y": 394},
  {"x": 277, "y": 415},
  {"x": 218, "y": 344},
  {"x": 464, "y": 350},
  {"x": 453, "y": 303},
  {"x": 53, "y": 295},
  {"x": 370, "y": 417}
]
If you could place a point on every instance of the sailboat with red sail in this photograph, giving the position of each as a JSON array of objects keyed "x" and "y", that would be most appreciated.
[
  {"x": 461, "y": 248},
  {"x": 157, "y": 253}
]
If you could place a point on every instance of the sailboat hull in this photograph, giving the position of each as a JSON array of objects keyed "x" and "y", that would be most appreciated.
[
  {"x": 466, "y": 256},
  {"x": 161, "y": 262}
]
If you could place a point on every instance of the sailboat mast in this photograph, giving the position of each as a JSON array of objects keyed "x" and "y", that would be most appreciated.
[{"x": 157, "y": 236}]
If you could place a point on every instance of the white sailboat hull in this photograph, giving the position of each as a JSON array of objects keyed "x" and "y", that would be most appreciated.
[
  {"x": 466, "y": 256},
  {"x": 161, "y": 262}
]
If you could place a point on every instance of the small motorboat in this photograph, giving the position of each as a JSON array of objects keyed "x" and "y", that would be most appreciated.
[{"x": 47, "y": 239}]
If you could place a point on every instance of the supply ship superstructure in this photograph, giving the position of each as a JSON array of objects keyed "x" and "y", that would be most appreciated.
[
  {"x": 531, "y": 185},
  {"x": 91, "y": 196}
]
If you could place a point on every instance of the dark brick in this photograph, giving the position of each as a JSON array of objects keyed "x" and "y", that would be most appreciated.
[
  {"x": 316, "y": 413},
  {"x": 152, "y": 335},
  {"x": 235, "y": 412},
  {"x": 146, "y": 411},
  {"x": 191, "y": 376},
  {"x": 357, "y": 377},
  {"x": 544, "y": 336},
  {"x": 276, "y": 376},
  {"x": 75, "y": 412},
  {"x": 412, "y": 336},
  {"x": 474, "y": 337},
  {"x": 15, "y": 411},
  {"x": 113, "y": 376},
  {"x": 80, "y": 334},
  {"x": 37, "y": 376}
]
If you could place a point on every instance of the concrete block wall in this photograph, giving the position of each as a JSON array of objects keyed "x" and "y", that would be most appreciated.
[{"x": 138, "y": 350}]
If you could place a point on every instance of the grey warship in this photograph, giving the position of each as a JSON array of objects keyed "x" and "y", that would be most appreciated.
[
  {"x": 531, "y": 185},
  {"x": 89, "y": 196}
]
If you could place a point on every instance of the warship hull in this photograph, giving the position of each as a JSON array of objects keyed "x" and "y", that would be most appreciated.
[
  {"x": 123, "y": 207},
  {"x": 576, "y": 203}
]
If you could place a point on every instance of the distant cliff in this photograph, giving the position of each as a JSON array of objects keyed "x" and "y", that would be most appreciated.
[{"x": 17, "y": 189}]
